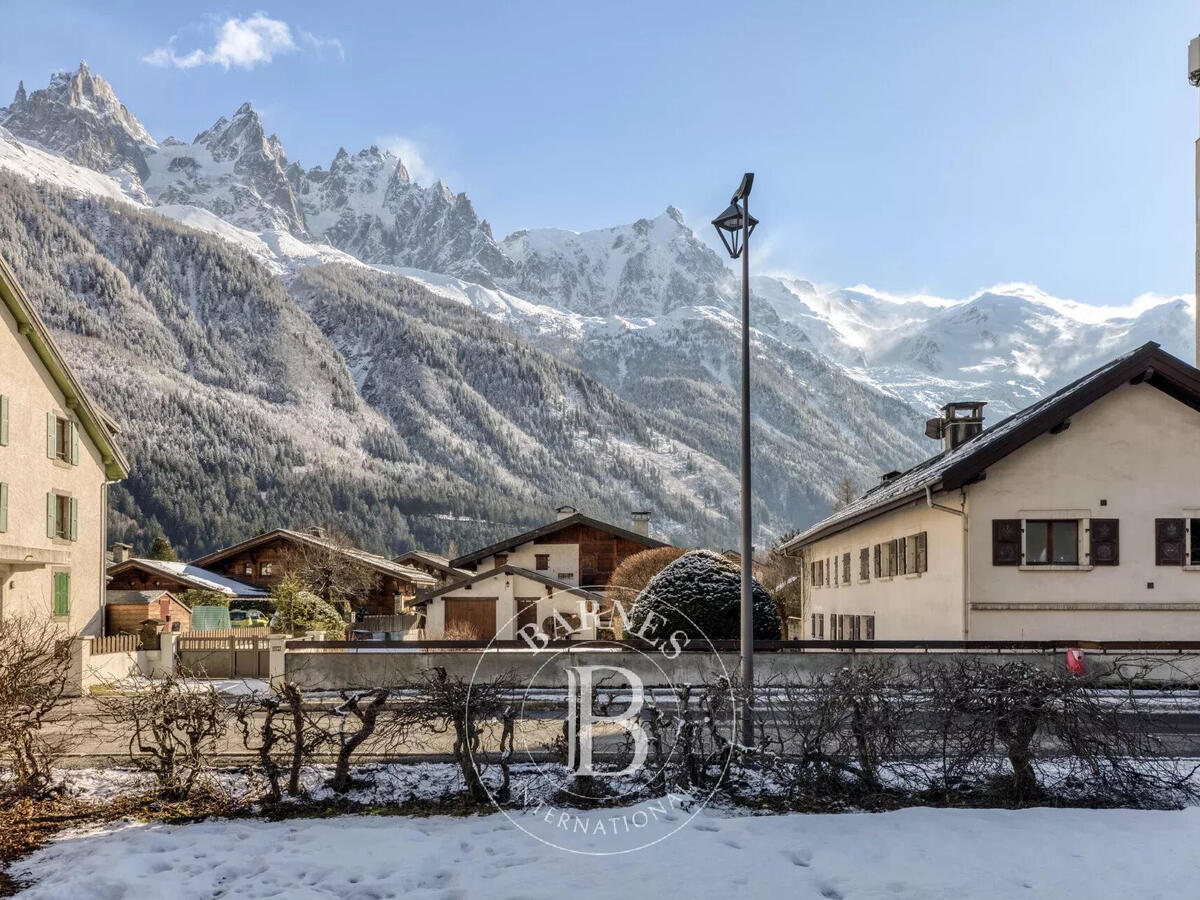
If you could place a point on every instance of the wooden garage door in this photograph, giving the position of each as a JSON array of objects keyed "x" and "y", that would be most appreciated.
[{"x": 472, "y": 618}]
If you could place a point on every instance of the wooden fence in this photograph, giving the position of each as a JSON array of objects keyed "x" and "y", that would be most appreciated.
[
  {"x": 114, "y": 643},
  {"x": 236, "y": 655}
]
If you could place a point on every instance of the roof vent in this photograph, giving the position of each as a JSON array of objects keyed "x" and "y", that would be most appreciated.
[
  {"x": 960, "y": 421},
  {"x": 565, "y": 512},
  {"x": 889, "y": 476}
]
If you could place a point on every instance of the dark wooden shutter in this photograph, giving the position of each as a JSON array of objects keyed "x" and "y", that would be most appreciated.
[
  {"x": 864, "y": 564},
  {"x": 893, "y": 558},
  {"x": 1105, "y": 540},
  {"x": 846, "y": 567},
  {"x": 1006, "y": 542},
  {"x": 922, "y": 552},
  {"x": 1168, "y": 542},
  {"x": 902, "y": 565}
]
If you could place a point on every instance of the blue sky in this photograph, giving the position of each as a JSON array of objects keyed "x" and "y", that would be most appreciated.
[{"x": 937, "y": 147}]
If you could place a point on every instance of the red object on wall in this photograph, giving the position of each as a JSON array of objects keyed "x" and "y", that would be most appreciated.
[{"x": 1076, "y": 662}]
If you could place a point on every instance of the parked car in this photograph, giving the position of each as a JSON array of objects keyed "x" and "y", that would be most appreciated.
[{"x": 247, "y": 618}]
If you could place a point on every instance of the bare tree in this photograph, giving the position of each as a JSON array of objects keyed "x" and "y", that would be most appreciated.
[
  {"x": 363, "y": 708},
  {"x": 35, "y": 661},
  {"x": 328, "y": 566},
  {"x": 174, "y": 730},
  {"x": 844, "y": 493},
  {"x": 277, "y": 729}
]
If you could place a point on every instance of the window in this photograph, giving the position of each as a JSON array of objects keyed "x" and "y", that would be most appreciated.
[
  {"x": 864, "y": 564},
  {"x": 878, "y": 560},
  {"x": 500, "y": 559},
  {"x": 62, "y": 517},
  {"x": 817, "y": 629},
  {"x": 265, "y": 569},
  {"x": 62, "y": 439},
  {"x": 1052, "y": 542},
  {"x": 846, "y": 567},
  {"x": 541, "y": 562},
  {"x": 913, "y": 559},
  {"x": 247, "y": 568},
  {"x": 856, "y": 628},
  {"x": 868, "y": 628},
  {"x": 62, "y": 593},
  {"x": 892, "y": 557},
  {"x": 1193, "y": 538}
]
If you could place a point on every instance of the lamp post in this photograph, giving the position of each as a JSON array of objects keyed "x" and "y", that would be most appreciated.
[{"x": 735, "y": 225}]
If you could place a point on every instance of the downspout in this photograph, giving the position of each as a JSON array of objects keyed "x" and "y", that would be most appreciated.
[{"x": 965, "y": 551}]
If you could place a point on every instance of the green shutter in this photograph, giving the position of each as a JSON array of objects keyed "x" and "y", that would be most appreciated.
[
  {"x": 3, "y": 421},
  {"x": 50, "y": 443},
  {"x": 62, "y": 593},
  {"x": 74, "y": 444},
  {"x": 51, "y": 515},
  {"x": 74, "y": 534},
  {"x": 3, "y": 506}
]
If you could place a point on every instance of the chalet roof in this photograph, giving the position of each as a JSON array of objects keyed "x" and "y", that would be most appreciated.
[
  {"x": 193, "y": 576},
  {"x": 540, "y": 577},
  {"x": 136, "y": 598},
  {"x": 373, "y": 560},
  {"x": 952, "y": 469},
  {"x": 433, "y": 560},
  {"x": 101, "y": 429},
  {"x": 576, "y": 519}
]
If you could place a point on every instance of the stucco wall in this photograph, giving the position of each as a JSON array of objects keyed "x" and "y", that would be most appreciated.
[
  {"x": 30, "y": 474},
  {"x": 507, "y": 588},
  {"x": 924, "y": 605},
  {"x": 1138, "y": 450},
  {"x": 564, "y": 560}
]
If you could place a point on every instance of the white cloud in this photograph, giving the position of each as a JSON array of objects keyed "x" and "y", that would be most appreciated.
[
  {"x": 244, "y": 43},
  {"x": 413, "y": 155}
]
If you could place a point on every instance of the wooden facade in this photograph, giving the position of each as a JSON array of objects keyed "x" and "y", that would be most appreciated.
[
  {"x": 262, "y": 562},
  {"x": 600, "y": 551},
  {"x": 126, "y": 610}
]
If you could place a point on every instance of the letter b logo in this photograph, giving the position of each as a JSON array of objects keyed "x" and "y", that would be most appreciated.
[{"x": 581, "y": 719}]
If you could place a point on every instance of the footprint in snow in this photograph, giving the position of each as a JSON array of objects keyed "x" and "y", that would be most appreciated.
[
  {"x": 801, "y": 858},
  {"x": 830, "y": 893},
  {"x": 705, "y": 826}
]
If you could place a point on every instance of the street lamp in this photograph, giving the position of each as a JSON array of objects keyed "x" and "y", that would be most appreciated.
[{"x": 735, "y": 225}]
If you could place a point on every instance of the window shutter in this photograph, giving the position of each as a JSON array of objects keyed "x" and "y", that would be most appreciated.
[
  {"x": 50, "y": 442},
  {"x": 902, "y": 564},
  {"x": 1104, "y": 540},
  {"x": 922, "y": 552},
  {"x": 62, "y": 593},
  {"x": 51, "y": 515},
  {"x": 878, "y": 560},
  {"x": 3, "y": 421},
  {"x": 74, "y": 534},
  {"x": 846, "y": 567},
  {"x": 3, "y": 506},
  {"x": 864, "y": 564},
  {"x": 1168, "y": 542},
  {"x": 1006, "y": 542},
  {"x": 74, "y": 444}
]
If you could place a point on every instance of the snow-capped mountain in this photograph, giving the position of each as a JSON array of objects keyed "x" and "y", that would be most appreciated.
[{"x": 843, "y": 377}]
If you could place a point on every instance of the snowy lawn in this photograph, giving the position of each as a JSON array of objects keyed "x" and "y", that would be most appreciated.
[{"x": 913, "y": 853}]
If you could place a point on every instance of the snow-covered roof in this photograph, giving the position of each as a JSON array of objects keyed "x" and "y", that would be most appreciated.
[
  {"x": 952, "y": 469},
  {"x": 133, "y": 598},
  {"x": 193, "y": 576}
]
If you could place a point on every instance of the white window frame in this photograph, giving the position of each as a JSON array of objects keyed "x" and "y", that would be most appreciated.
[
  {"x": 1083, "y": 518},
  {"x": 1189, "y": 513}
]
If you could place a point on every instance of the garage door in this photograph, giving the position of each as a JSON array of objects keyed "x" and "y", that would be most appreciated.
[{"x": 471, "y": 618}]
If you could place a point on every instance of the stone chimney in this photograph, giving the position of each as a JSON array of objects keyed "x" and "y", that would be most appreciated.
[
  {"x": 641, "y": 522},
  {"x": 120, "y": 552},
  {"x": 316, "y": 531},
  {"x": 960, "y": 421},
  {"x": 565, "y": 512}
]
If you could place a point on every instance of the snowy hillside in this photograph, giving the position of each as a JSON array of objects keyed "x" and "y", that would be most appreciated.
[{"x": 843, "y": 376}]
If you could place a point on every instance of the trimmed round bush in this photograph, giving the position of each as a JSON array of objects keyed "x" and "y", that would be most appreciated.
[{"x": 705, "y": 588}]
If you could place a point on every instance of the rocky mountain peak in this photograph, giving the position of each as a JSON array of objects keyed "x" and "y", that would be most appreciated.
[{"x": 79, "y": 115}]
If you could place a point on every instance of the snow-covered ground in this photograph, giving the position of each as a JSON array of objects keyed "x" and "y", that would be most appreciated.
[{"x": 914, "y": 853}]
